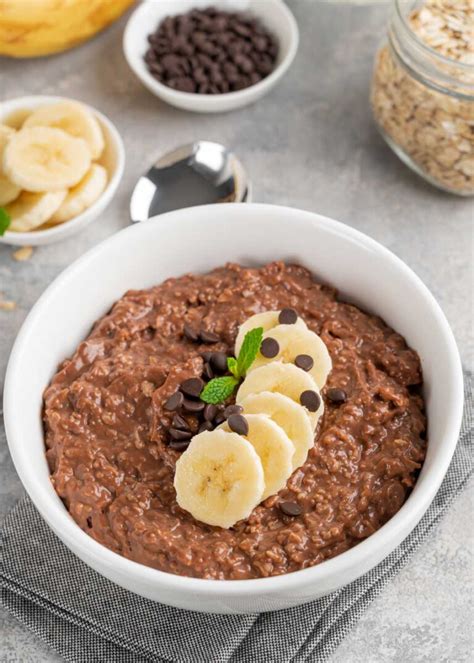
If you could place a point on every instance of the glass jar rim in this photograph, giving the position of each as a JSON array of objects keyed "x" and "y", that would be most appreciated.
[{"x": 421, "y": 44}]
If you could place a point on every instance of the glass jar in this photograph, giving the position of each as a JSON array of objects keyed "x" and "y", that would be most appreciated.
[{"x": 422, "y": 92}]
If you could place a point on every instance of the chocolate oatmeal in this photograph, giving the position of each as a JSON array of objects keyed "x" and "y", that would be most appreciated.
[{"x": 107, "y": 427}]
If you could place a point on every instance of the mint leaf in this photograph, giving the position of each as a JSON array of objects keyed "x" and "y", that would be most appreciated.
[
  {"x": 5, "y": 220},
  {"x": 232, "y": 366},
  {"x": 249, "y": 350},
  {"x": 219, "y": 389}
]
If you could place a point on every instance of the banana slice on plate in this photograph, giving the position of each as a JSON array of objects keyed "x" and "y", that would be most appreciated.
[
  {"x": 293, "y": 341},
  {"x": 73, "y": 118},
  {"x": 31, "y": 210},
  {"x": 292, "y": 418},
  {"x": 286, "y": 379},
  {"x": 8, "y": 190},
  {"x": 83, "y": 195},
  {"x": 219, "y": 478},
  {"x": 42, "y": 159},
  {"x": 274, "y": 448},
  {"x": 267, "y": 320}
]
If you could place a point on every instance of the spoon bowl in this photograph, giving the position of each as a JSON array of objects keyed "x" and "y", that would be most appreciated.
[{"x": 195, "y": 174}]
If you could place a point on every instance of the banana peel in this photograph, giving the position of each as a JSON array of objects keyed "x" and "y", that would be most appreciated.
[{"x": 32, "y": 28}]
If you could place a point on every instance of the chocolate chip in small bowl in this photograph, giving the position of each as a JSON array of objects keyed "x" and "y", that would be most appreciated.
[{"x": 211, "y": 51}]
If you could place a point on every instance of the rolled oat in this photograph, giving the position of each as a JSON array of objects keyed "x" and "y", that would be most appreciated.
[{"x": 423, "y": 99}]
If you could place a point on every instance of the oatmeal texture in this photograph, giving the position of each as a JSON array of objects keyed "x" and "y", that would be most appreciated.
[
  {"x": 434, "y": 129},
  {"x": 105, "y": 427}
]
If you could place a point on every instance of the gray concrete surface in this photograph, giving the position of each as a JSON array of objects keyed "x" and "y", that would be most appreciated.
[{"x": 310, "y": 144}]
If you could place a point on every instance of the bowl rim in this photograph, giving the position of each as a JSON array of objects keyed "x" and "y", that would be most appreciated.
[
  {"x": 165, "y": 92},
  {"x": 63, "y": 229},
  {"x": 411, "y": 512}
]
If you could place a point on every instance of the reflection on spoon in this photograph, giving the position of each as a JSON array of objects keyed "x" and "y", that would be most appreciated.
[{"x": 194, "y": 174}]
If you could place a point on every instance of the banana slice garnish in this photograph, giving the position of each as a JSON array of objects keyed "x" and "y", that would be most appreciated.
[
  {"x": 294, "y": 341},
  {"x": 292, "y": 418},
  {"x": 219, "y": 478},
  {"x": 274, "y": 448},
  {"x": 282, "y": 378},
  {"x": 267, "y": 320}
]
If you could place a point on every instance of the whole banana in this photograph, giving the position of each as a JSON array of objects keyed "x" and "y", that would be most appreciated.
[{"x": 31, "y": 28}]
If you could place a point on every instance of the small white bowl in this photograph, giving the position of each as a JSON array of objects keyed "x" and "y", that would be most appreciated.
[
  {"x": 172, "y": 244},
  {"x": 274, "y": 14},
  {"x": 113, "y": 160}
]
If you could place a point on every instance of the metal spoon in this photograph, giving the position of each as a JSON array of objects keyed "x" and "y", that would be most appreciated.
[{"x": 194, "y": 174}]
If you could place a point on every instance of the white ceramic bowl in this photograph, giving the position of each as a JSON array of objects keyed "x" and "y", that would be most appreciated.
[
  {"x": 113, "y": 159},
  {"x": 274, "y": 14},
  {"x": 172, "y": 244}
]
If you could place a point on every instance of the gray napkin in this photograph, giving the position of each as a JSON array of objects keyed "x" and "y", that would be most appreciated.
[{"x": 87, "y": 618}]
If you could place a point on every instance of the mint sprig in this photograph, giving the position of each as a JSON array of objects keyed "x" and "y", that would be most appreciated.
[
  {"x": 5, "y": 220},
  {"x": 218, "y": 390}
]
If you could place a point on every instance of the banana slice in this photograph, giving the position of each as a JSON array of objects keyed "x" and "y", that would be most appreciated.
[
  {"x": 274, "y": 448},
  {"x": 8, "y": 190},
  {"x": 219, "y": 478},
  {"x": 294, "y": 341},
  {"x": 6, "y": 133},
  {"x": 73, "y": 118},
  {"x": 31, "y": 210},
  {"x": 292, "y": 418},
  {"x": 45, "y": 159},
  {"x": 286, "y": 379},
  {"x": 83, "y": 195},
  {"x": 267, "y": 320}
]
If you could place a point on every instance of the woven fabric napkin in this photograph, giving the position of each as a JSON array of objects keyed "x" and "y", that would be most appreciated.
[{"x": 86, "y": 618}]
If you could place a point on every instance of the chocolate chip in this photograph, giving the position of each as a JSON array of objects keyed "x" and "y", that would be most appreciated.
[
  {"x": 192, "y": 387},
  {"x": 193, "y": 406},
  {"x": 206, "y": 425},
  {"x": 207, "y": 355},
  {"x": 288, "y": 316},
  {"x": 190, "y": 333},
  {"x": 291, "y": 508},
  {"x": 310, "y": 400},
  {"x": 336, "y": 396},
  {"x": 174, "y": 402},
  {"x": 238, "y": 424},
  {"x": 219, "y": 362},
  {"x": 208, "y": 336},
  {"x": 179, "y": 446},
  {"x": 210, "y": 411},
  {"x": 219, "y": 419},
  {"x": 207, "y": 372},
  {"x": 305, "y": 362},
  {"x": 233, "y": 409},
  {"x": 269, "y": 348},
  {"x": 180, "y": 422},
  {"x": 210, "y": 40},
  {"x": 180, "y": 435}
]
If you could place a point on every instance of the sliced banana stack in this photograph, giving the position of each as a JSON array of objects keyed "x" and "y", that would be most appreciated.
[
  {"x": 217, "y": 479},
  {"x": 53, "y": 152}
]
